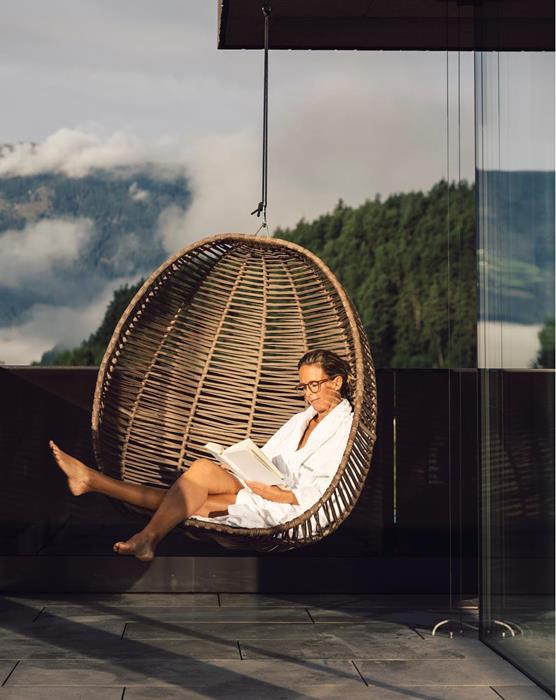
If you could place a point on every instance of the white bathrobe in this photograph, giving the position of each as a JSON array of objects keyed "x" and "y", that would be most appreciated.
[{"x": 307, "y": 471}]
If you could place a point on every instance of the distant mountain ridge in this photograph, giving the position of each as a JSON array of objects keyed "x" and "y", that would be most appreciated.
[
  {"x": 391, "y": 258},
  {"x": 410, "y": 269},
  {"x": 121, "y": 208},
  {"x": 518, "y": 220}
]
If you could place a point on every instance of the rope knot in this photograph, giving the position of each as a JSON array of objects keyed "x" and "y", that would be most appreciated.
[{"x": 259, "y": 210}]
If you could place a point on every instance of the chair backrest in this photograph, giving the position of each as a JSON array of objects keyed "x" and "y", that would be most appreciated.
[{"x": 207, "y": 350}]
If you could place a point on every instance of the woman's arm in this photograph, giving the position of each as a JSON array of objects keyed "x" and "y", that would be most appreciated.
[{"x": 273, "y": 493}]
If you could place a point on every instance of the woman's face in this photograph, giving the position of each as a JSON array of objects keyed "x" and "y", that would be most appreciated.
[{"x": 327, "y": 395}]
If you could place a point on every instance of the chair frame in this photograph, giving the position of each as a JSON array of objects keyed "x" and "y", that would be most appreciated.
[{"x": 341, "y": 495}]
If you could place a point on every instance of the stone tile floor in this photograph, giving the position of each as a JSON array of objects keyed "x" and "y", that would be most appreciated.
[{"x": 139, "y": 646}]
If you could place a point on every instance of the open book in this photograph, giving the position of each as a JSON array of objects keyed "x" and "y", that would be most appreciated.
[{"x": 246, "y": 461}]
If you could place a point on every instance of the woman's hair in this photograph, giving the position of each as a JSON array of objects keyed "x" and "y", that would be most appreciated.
[{"x": 333, "y": 365}]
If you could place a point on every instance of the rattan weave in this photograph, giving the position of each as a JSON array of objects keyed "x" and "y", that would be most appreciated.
[{"x": 207, "y": 350}]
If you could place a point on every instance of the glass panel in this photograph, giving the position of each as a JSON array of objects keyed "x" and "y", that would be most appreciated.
[
  {"x": 515, "y": 181},
  {"x": 515, "y": 215}
]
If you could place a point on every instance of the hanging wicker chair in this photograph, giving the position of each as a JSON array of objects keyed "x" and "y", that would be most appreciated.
[{"x": 207, "y": 350}]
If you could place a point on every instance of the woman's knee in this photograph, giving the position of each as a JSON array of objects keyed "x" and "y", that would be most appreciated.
[
  {"x": 212, "y": 476},
  {"x": 199, "y": 470},
  {"x": 201, "y": 463}
]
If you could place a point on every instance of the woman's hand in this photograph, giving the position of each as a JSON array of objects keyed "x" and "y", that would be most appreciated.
[{"x": 272, "y": 493}]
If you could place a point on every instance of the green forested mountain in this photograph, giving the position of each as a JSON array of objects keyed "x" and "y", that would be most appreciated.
[
  {"x": 119, "y": 199},
  {"x": 413, "y": 284},
  {"x": 412, "y": 281}
]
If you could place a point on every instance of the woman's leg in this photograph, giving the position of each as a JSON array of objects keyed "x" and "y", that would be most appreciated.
[
  {"x": 210, "y": 489},
  {"x": 186, "y": 497},
  {"x": 216, "y": 505},
  {"x": 82, "y": 479}
]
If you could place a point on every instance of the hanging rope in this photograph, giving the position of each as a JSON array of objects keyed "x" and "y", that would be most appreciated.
[{"x": 261, "y": 208}]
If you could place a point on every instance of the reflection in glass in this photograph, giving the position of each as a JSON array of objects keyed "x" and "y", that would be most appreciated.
[
  {"x": 515, "y": 184},
  {"x": 515, "y": 216}
]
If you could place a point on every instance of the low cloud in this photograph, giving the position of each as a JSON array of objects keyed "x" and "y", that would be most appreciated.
[
  {"x": 137, "y": 194},
  {"x": 225, "y": 183},
  {"x": 77, "y": 152},
  {"x": 334, "y": 133},
  {"x": 124, "y": 255},
  {"x": 171, "y": 230},
  {"x": 48, "y": 325},
  {"x": 28, "y": 254}
]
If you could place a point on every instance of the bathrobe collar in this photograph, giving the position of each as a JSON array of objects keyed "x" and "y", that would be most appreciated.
[{"x": 324, "y": 430}]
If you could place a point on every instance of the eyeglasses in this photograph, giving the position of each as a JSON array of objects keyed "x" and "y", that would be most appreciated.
[{"x": 314, "y": 386}]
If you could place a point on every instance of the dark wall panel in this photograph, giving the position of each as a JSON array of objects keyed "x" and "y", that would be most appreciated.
[{"x": 401, "y": 523}]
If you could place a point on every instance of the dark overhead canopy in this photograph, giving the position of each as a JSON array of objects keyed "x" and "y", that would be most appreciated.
[{"x": 437, "y": 25}]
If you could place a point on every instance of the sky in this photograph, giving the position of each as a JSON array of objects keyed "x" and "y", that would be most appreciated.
[
  {"x": 102, "y": 83},
  {"x": 341, "y": 124}
]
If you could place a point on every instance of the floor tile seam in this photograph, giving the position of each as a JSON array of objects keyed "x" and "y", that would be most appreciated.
[
  {"x": 246, "y": 653},
  {"x": 350, "y": 638},
  {"x": 127, "y": 639},
  {"x": 312, "y": 659},
  {"x": 81, "y": 685},
  {"x": 526, "y": 681},
  {"x": 112, "y": 618},
  {"x": 164, "y": 606},
  {"x": 233, "y": 654},
  {"x": 415, "y": 644},
  {"x": 201, "y": 610},
  {"x": 347, "y": 682},
  {"x": 41, "y": 611},
  {"x": 2, "y": 685},
  {"x": 369, "y": 639},
  {"x": 361, "y": 676},
  {"x": 200, "y": 687},
  {"x": 226, "y": 622},
  {"x": 188, "y": 635},
  {"x": 230, "y": 644},
  {"x": 372, "y": 659},
  {"x": 66, "y": 685},
  {"x": 330, "y": 612},
  {"x": 457, "y": 685},
  {"x": 303, "y": 660},
  {"x": 174, "y": 685},
  {"x": 136, "y": 605}
]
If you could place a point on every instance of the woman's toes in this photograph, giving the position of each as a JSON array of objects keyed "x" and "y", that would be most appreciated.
[
  {"x": 138, "y": 546},
  {"x": 77, "y": 473}
]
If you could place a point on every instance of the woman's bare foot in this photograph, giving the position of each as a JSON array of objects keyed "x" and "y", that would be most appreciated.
[
  {"x": 79, "y": 474},
  {"x": 140, "y": 545}
]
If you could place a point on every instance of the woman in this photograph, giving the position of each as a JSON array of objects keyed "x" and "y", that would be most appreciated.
[{"x": 307, "y": 449}]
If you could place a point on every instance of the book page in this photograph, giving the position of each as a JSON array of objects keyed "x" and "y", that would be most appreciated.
[
  {"x": 251, "y": 468},
  {"x": 214, "y": 449},
  {"x": 248, "y": 462},
  {"x": 258, "y": 454}
]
